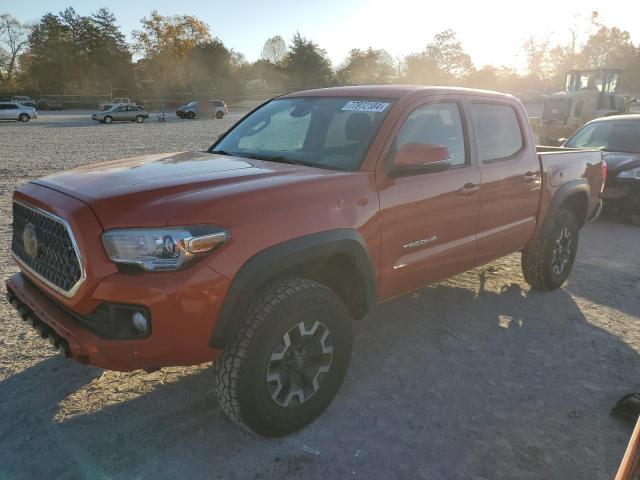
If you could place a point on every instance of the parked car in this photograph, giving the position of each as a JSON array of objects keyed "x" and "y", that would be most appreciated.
[
  {"x": 24, "y": 100},
  {"x": 122, "y": 113},
  {"x": 619, "y": 138},
  {"x": 114, "y": 102},
  {"x": 17, "y": 111},
  {"x": 212, "y": 108},
  {"x": 307, "y": 213}
]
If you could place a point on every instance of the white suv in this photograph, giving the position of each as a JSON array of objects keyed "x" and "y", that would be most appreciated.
[{"x": 17, "y": 111}]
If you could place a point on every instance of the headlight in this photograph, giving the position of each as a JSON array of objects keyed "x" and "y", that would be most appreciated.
[
  {"x": 631, "y": 173},
  {"x": 156, "y": 249}
]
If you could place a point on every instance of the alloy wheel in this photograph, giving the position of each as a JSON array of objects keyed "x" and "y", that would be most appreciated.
[{"x": 298, "y": 363}]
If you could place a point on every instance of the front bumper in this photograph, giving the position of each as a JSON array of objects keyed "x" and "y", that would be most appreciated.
[{"x": 182, "y": 319}]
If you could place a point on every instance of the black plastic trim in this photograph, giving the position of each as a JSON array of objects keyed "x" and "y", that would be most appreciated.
[
  {"x": 579, "y": 185},
  {"x": 278, "y": 259}
]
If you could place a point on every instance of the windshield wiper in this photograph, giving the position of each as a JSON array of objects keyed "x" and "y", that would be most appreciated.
[
  {"x": 281, "y": 159},
  {"x": 221, "y": 152}
]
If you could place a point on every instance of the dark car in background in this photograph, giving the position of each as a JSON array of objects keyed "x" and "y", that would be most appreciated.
[{"x": 619, "y": 138}]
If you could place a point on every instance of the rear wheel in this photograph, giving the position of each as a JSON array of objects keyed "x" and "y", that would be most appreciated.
[
  {"x": 219, "y": 115},
  {"x": 139, "y": 119},
  {"x": 547, "y": 263},
  {"x": 288, "y": 359},
  {"x": 23, "y": 117},
  {"x": 191, "y": 115},
  {"x": 108, "y": 119}
]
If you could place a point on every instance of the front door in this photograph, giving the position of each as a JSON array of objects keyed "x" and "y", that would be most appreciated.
[{"x": 429, "y": 220}]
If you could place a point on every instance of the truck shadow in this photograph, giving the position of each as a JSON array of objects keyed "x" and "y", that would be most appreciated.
[
  {"x": 460, "y": 380},
  {"x": 605, "y": 273}
]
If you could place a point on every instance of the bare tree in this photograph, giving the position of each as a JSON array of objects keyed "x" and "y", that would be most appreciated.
[
  {"x": 13, "y": 40},
  {"x": 274, "y": 49},
  {"x": 537, "y": 52}
]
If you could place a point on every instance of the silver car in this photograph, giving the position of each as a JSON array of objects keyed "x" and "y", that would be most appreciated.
[
  {"x": 17, "y": 111},
  {"x": 122, "y": 113}
]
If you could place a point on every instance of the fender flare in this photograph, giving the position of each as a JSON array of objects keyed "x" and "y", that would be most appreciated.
[
  {"x": 276, "y": 260},
  {"x": 579, "y": 185}
]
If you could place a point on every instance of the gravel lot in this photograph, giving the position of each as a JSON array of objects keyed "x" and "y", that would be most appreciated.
[{"x": 473, "y": 378}]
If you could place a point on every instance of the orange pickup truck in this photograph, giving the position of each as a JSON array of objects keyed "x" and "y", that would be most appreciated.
[{"x": 313, "y": 208}]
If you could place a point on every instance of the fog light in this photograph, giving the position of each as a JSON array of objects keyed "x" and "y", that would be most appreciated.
[{"x": 139, "y": 322}]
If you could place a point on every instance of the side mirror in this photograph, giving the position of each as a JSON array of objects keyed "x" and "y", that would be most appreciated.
[
  {"x": 421, "y": 158},
  {"x": 562, "y": 140}
]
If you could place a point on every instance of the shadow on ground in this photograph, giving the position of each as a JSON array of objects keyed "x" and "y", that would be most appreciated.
[{"x": 453, "y": 382}]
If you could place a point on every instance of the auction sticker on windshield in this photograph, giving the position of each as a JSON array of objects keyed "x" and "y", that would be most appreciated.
[{"x": 363, "y": 106}]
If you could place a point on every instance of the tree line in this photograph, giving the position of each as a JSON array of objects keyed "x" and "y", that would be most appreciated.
[{"x": 67, "y": 53}]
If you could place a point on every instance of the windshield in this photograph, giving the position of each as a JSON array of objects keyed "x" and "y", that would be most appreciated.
[
  {"x": 621, "y": 136},
  {"x": 323, "y": 132}
]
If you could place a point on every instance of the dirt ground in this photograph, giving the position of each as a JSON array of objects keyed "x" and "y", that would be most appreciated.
[{"x": 473, "y": 378}]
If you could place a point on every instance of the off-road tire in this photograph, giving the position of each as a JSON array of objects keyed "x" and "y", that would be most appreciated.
[
  {"x": 219, "y": 115},
  {"x": 139, "y": 119},
  {"x": 23, "y": 117},
  {"x": 108, "y": 119},
  {"x": 538, "y": 257},
  {"x": 240, "y": 373}
]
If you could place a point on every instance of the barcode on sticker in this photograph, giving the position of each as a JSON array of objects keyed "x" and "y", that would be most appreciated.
[{"x": 362, "y": 106}]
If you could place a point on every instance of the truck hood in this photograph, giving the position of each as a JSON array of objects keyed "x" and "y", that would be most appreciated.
[
  {"x": 618, "y": 161},
  {"x": 150, "y": 190}
]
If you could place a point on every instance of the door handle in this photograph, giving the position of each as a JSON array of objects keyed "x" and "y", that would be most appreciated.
[
  {"x": 469, "y": 189},
  {"x": 530, "y": 177}
]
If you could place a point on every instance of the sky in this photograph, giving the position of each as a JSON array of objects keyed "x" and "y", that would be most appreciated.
[{"x": 491, "y": 31}]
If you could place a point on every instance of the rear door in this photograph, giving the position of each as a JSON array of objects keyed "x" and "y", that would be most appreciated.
[
  {"x": 429, "y": 220},
  {"x": 510, "y": 177}
]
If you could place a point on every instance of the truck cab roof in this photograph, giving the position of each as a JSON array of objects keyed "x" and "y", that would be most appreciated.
[{"x": 393, "y": 91}]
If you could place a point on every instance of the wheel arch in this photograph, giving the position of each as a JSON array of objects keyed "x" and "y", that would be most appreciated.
[
  {"x": 574, "y": 196},
  {"x": 336, "y": 258}
]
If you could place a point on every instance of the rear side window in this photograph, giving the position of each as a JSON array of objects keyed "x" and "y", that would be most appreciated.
[
  {"x": 9, "y": 106},
  {"x": 497, "y": 131}
]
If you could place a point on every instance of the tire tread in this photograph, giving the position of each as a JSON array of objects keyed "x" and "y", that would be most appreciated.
[{"x": 226, "y": 369}]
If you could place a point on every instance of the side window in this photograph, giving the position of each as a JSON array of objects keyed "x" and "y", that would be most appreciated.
[
  {"x": 497, "y": 131},
  {"x": 438, "y": 123}
]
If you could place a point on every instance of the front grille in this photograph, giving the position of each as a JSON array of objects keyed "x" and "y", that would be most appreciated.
[{"x": 43, "y": 243}]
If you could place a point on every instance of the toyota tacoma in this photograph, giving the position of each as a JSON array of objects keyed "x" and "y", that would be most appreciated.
[{"x": 314, "y": 207}]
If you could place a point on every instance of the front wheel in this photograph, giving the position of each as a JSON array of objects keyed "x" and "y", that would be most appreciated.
[
  {"x": 23, "y": 117},
  {"x": 219, "y": 115},
  {"x": 108, "y": 119},
  {"x": 288, "y": 359},
  {"x": 547, "y": 263},
  {"x": 139, "y": 119}
]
